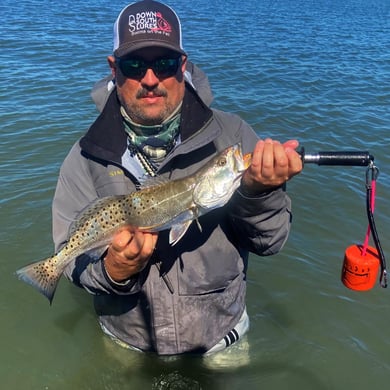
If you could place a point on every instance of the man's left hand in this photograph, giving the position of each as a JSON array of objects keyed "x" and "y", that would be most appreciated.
[{"x": 272, "y": 165}]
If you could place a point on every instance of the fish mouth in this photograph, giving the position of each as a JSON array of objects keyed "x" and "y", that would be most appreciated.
[
  {"x": 247, "y": 160},
  {"x": 244, "y": 160}
]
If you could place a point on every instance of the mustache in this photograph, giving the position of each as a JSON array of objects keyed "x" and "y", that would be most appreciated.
[{"x": 145, "y": 92}]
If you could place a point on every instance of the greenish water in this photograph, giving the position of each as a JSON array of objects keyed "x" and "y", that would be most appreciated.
[{"x": 315, "y": 71}]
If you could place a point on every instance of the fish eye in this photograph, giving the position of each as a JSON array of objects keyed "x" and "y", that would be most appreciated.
[{"x": 222, "y": 162}]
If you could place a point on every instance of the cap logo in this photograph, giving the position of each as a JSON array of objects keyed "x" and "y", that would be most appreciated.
[{"x": 149, "y": 22}]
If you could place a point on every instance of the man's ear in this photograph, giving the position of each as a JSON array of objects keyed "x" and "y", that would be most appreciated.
[
  {"x": 184, "y": 64},
  {"x": 112, "y": 65}
]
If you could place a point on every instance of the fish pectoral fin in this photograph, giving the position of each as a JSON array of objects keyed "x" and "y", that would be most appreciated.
[
  {"x": 198, "y": 224},
  {"x": 178, "y": 231}
]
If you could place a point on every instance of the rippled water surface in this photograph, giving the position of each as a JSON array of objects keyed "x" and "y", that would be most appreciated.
[{"x": 317, "y": 71}]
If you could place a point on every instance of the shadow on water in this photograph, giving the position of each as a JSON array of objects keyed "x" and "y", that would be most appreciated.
[
  {"x": 254, "y": 377},
  {"x": 135, "y": 371}
]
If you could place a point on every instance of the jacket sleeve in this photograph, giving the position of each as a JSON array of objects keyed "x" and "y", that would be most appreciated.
[
  {"x": 74, "y": 192},
  {"x": 261, "y": 224}
]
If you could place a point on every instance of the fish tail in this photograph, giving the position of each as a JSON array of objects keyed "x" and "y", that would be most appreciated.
[{"x": 43, "y": 275}]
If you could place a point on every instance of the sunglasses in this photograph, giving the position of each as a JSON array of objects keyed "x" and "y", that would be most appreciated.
[{"x": 135, "y": 68}]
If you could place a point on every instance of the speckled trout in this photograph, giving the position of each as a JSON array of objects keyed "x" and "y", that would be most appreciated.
[{"x": 165, "y": 205}]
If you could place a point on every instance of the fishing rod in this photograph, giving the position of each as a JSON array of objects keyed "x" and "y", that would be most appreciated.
[{"x": 361, "y": 262}]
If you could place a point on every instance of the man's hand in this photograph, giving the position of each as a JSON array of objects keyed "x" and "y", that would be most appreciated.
[
  {"x": 129, "y": 252},
  {"x": 272, "y": 165}
]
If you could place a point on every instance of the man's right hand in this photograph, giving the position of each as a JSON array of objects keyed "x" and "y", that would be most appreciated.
[{"x": 129, "y": 252}]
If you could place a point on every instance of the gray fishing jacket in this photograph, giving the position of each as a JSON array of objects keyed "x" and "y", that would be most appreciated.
[{"x": 192, "y": 294}]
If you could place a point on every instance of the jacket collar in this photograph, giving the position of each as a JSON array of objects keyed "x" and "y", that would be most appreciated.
[{"x": 106, "y": 139}]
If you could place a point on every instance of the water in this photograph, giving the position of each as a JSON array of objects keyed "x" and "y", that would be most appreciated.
[{"x": 315, "y": 71}]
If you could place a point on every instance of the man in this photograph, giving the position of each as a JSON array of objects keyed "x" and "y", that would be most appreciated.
[{"x": 148, "y": 294}]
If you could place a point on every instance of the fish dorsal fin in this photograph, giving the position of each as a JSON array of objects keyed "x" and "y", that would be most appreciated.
[{"x": 152, "y": 181}]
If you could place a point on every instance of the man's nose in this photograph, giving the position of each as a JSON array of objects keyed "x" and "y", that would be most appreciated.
[{"x": 150, "y": 78}]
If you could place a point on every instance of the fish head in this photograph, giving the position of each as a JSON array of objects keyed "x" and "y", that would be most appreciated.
[{"x": 220, "y": 178}]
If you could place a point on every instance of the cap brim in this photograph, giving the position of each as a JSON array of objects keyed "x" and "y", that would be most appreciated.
[{"x": 125, "y": 50}]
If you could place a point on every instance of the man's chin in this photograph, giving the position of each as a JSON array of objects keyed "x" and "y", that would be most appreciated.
[{"x": 152, "y": 117}]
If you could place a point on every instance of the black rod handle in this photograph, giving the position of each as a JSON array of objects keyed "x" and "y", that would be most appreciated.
[{"x": 346, "y": 158}]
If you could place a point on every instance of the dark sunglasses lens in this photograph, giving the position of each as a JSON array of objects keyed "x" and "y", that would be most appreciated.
[
  {"x": 135, "y": 69},
  {"x": 166, "y": 67},
  {"x": 132, "y": 68}
]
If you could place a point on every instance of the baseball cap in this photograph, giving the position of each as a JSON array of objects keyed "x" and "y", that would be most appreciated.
[{"x": 147, "y": 23}]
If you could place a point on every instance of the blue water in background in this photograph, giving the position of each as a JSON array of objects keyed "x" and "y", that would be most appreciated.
[{"x": 317, "y": 71}]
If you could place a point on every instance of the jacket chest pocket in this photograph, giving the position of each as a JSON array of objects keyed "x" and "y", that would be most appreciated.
[{"x": 211, "y": 267}]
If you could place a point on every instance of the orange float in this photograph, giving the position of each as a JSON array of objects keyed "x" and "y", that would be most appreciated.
[{"x": 360, "y": 268}]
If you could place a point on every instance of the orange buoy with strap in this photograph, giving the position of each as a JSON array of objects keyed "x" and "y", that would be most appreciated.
[{"x": 362, "y": 262}]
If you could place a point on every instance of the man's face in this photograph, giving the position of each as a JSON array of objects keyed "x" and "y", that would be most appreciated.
[{"x": 147, "y": 97}]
